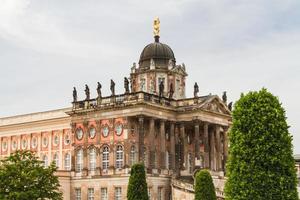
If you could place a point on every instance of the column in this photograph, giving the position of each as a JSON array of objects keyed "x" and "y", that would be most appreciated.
[
  {"x": 225, "y": 145},
  {"x": 152, "y": 142},
  {"x": 162, "y": 144},
  {"x": 141, "y": 138},
  {"x": 177, "y": 151},
  {"x": 206, "y": 146},
  {"x": 185, "y": 144},
  {"x": 212, "y": 149},
  {"x": 218, "y": 149},
  {"x": 197, "y": 140},
  {"x": 172, "y": 144}
]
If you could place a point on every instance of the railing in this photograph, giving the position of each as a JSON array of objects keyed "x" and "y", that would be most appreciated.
[{"x": 134, "y": 98}]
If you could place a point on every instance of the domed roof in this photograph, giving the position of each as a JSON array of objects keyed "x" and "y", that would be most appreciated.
[{"x": 159, "y": 52}]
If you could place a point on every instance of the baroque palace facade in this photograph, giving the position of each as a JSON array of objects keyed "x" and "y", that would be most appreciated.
[{"x": 95, "y": 142}]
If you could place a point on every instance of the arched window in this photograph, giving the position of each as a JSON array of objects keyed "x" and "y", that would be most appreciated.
[
  {"x": 92, "y": 159},
  {"x": 67, "y": 161},
  {"x": 132, "y": 155},
  {"x": 105, "y": 157},
  {"x": 119, "y": 157},
  {"x": 56, "y": 160},
  {"x": 45, "y": 161},
  {"x": 79, "y": 160}
]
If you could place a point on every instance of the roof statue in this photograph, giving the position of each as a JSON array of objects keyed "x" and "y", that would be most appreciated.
[
  {"x": 126, "y": 85},
  {"x": 161, "y": 89},
  {"x": 156, "y": 26},
  {"x": 99, "y": 86},
  {"x": 87, "y": 92},
  {"x": 112, "y": 87},
  {"x": 224, "y": 97},
  {"x": 171, "y": 91},
  {"x": 196, "y": 90},
  {"x": 74, "y": 94},
  {"x": 230, "y": 106}
]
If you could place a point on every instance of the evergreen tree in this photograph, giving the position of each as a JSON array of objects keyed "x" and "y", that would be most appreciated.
[
  {"x": 137, "y": 186},
  {"x": 261, "y": 164},
  {"x": 23, "y": 177},
  {"x": 204, "y": 188}
]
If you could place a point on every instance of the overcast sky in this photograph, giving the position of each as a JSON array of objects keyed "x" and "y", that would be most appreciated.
[{"x": 47, "y": 47}]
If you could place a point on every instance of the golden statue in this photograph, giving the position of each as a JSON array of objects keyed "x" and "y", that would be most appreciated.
[{"x": 156, "y": 26}]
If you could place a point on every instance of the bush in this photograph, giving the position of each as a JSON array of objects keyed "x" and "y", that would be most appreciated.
[
  {"x": 260, "y": 164},
  {"x": 137, "y": 186},
  {"x": 204, "y": 188}
]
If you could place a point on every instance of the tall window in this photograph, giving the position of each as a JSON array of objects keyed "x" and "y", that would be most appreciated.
[
  {"x": 92, "y": 159},
  {"x": 78, "y": 194},
  {"x": 45, "y": 160},
  {"x": 119, "y": 157},
  {"x": 79, "y": 160},
  {"x": 91, "y": 194},
  {"x": 56, "y": 160},
  {"x": 105, "y": 157},
  {"x": 132, "y": 155},
  {"x": 104, "y": 195},
  {"x": 143, "y": 84},
  {"x": 67, "y": 161},
  {"x": 118, "y": 193}
]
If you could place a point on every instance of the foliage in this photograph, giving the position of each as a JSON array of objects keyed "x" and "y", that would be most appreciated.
[
  {"x": 23, "y": 177},
  {"x": 204, "y": 188},
  {"x": 137, "y": 186},
  {"x": 261, "y": 164}
]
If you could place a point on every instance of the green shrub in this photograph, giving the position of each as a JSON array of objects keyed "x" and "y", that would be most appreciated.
[
  {"x": 137, "y": 186},
  {"x": 204, "y": 188}
]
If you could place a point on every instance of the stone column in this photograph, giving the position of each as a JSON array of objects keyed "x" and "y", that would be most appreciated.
[
  {"x": 218, "y": 149},
  {"x": 185, "y": 143},
  {"x": 141, "y": 138},
  {"x": 172, "y": 145},
  {"x": 206, "y": 145},
  {"x": 177, "y": 151},
  {"x": 197, "y": 139},
  {"x": 212, "y": 149},
  {"x": 162, "y": 144},
  {"x": 152, "y": 143},
  {"x": 225, "y": 145}
]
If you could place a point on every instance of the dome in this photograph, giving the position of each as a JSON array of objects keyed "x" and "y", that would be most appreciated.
[{"x": 159, "y": 52}]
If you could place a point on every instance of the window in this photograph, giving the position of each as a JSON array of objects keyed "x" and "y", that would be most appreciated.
[
  {"x": 24, "y": 143},
  {"x": 92, "y": 159},
  {"x": 118, "y": 193},
  {"x": 119, "y": 157},
  {"x": 78, "y": 194},
  {"x": 79, "y": 160},
  {"x": 56, "y": 160},
  {"x": 91, "y": 194},
  {"x": 34, "y": 142},
  {"x": 132, "y": 155},
  {"x": 67, "y": 161},
  {"x": 45, "y": 160},
  {"x": 56, "y": 140},
  {"x": 143, "y": 84},
  {"x": 104, "y": 195},
  {"x": 45, "y": 141},
  {"x": 159, "y": 193},
  {"x": 14, "y": 145},
  {"x": 67, "y": 139},
  {"x": 105, "y": 157}
]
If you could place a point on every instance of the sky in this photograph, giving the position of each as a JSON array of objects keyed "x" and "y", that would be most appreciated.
[{"x": 47, "y": 47}]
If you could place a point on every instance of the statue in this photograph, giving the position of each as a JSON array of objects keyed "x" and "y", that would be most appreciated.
[
  {"x": 87, "y": 92},
  {"x": 74, "y": 94},
  {"x": 99, "y": 90},
  {"x": 161, "y": 89},
  {"x": 196, "y": 90},
  {"x": 224, "y": 97},
  {"x": 126, "y": 85},
  {"x": 230, "y": 106},
  {"x": 156, "y": 26},
  {"x": 171, "y": 91},
  {"x": 112, "y": 87}
]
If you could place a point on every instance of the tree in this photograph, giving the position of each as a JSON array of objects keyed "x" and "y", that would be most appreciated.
[
  {"x": 260, "y": 164},
  {"x": 204, "y": 188},
  {"x": 23, "y": 177},
  {"x": 137, "y": 186}
]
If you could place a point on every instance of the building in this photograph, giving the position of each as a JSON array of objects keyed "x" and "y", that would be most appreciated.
[
  {"x": 96, "y": 140},
  {"x": 297, "y": 162}
]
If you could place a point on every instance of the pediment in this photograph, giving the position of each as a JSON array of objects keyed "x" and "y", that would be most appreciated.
[
  {"x": 177, "y": 69},
  {"x": 215, "y": 104}
]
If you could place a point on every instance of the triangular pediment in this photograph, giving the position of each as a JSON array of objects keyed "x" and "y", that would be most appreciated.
[
  {"x": 178, "y": 70},
  {"x": 215, "y": 104}
]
